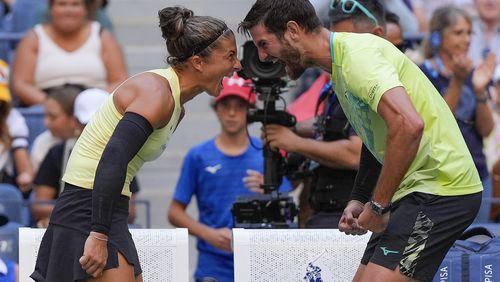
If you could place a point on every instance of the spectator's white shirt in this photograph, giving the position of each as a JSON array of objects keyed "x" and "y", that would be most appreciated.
[{"x": 41, "y": 147}]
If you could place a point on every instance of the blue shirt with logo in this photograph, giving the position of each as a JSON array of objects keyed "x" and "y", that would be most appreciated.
[{"x": 216, "y": 180}]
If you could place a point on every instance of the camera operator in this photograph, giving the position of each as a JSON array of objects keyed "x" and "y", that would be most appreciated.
[
  {"x": 216, "y": 172},
  {"x": 335, "y": 148}
]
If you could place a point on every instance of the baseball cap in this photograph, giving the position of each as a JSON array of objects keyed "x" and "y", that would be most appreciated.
[
  {"x": 87, "y": 103},
  {"x": 4, "y": 82},
  {"x": 496, "y": 74},
  {"x": 239, "y": 87}
]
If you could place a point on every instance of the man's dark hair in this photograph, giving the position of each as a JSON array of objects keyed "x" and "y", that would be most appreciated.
[
  {"x": 275, "y": 14},
  {"x": 357, "y": 16},
  {"x": 391, "y": 17}
]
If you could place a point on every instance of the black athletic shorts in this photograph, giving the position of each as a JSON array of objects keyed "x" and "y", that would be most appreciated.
[{"x": 421, "y": 230}]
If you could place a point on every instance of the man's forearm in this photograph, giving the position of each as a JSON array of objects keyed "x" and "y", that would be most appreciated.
[
  {"x": 180, "y": 218},
  {"x": 340, "y": 154},
  {"x": 401, "y": 148}
]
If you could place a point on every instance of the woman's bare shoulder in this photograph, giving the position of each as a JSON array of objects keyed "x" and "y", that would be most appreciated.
[{"x": 145, "y": 93}]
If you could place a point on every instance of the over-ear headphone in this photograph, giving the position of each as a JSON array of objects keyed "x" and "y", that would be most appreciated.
[{"x": 435, "y": 40}]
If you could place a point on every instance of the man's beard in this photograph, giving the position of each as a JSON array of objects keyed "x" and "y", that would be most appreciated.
[{"x": 293, "y": 62}]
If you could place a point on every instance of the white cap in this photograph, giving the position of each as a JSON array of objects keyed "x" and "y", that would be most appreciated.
[
  {"x": 496, "y": 74},
  {"x": 87, "y": 103}
]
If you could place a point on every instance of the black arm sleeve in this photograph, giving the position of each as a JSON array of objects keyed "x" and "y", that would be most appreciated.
[
  {"x": 367, "y": 177},
  {"x": 129, "y": 136}
]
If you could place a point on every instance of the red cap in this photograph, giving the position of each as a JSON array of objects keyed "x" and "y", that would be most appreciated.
[{"x": 239, "y": 87}]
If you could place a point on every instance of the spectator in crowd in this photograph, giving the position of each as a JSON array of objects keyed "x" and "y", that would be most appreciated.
[
  {"x": 428, "y": 178},
  {"x": 424, "y": 9},
  {"x": 335, "y": 148},
  {"x": 129, "y": 129},
  {"x": 464, "y": 89},
  {"x": 394, "y": 34},
  {"x": 485, "y": 31},
  {"x": 60, "y": 122},
  {"x": 216, "y": 172},
  {"x": 97, "y": 12},
  {"x": 492, "y": 145},
  {"x": 69, "y": 49},
  {"x": 48, "y": 184},
  {"x": 15, "y": 165},
  {"x": 492, "y": 142}
]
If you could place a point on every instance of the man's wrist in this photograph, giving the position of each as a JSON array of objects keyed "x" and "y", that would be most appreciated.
[
  {"x": 380, "y": 209},
  {"x": 98, "y": 236}
]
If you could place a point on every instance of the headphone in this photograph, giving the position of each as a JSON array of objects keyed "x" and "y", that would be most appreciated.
[{"x": 435, "y": 40}]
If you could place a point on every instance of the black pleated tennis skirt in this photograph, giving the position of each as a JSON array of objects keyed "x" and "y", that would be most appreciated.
[{"x": 63, "y": 241}]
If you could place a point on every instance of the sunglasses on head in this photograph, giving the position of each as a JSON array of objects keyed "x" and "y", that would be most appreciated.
[{"x": 348, "y": 6}]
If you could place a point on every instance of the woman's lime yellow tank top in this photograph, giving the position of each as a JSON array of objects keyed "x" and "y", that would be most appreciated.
[{"x": 86, "y": 154}]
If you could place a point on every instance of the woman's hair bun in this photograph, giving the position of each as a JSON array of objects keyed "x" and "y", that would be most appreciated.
[{"x": 173, "y": 20}]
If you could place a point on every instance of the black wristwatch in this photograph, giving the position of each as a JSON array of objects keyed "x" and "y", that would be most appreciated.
[{"x": 378, "y": 209}]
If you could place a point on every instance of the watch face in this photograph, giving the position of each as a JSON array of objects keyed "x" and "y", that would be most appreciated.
[{"x": 378, "y": 209}]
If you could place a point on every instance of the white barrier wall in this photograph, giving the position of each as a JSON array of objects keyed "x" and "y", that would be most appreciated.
[
  {"x": 267, "y": 255},
  {"x": 163, "y": 253}
]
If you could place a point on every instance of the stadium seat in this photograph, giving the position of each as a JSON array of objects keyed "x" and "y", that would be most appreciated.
[
  {"x": 11, "y": 202},
  {"x": 9, "y": 241},
  {"x": 34, "y": 116},
  {"x": 267, "y": 255},
  {"x": 163, "y": 253},
  {"x": 25, "y": 14}
]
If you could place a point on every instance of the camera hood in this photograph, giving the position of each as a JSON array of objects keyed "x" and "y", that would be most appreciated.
[{"x": 254, "y": 69}]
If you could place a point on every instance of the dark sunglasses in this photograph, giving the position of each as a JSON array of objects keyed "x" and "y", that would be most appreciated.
[{"x": 348, "y": 6}]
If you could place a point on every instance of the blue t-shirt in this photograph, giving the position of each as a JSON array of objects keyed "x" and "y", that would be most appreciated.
[
  {"x": 465, "y": 114},
  {"x": 217, "y": 180},
  {"x": 10, "y": 274}
]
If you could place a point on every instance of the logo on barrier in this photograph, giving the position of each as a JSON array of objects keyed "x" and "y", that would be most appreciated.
[
  {"x": 313, "y": 273},
  {"x": 314, "y": 269}
]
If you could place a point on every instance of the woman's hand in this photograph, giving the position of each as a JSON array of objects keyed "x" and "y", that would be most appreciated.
[
  {"x": 460, "y": 67},
  {"x": 349, "y": 220},
  {"x": 95, "y": 254},
  {"x": 483, "y": 74},
  {"x": 24, "y": 181}
]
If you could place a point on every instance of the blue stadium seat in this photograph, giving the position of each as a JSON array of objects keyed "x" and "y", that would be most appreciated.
[
  {"x": 25, "y": 14},
  {"x": 34, "y": 119},
  {"x": 11, "y": 202},
  {"x": 9, "y": 241}
]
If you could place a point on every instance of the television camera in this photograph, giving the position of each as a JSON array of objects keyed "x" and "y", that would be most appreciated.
[{"x": 271, "y": 209}]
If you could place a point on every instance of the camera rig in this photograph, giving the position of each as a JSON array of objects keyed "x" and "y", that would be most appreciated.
[{"x": 271, "y": 209}]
